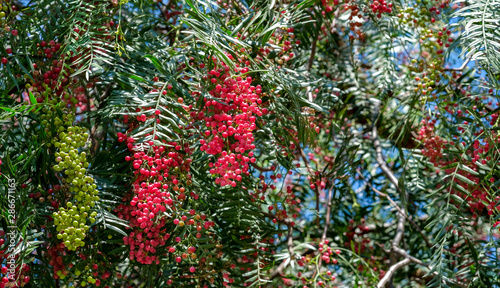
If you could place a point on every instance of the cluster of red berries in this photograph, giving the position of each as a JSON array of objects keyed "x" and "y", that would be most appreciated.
[
  {"x": 55, "y": 255},
  {"x": 477, "y": 197},
  {"x": 230, "y": 116},
  {"x": 51, "y": 75},
  {"x": 172, "y": 12},
  {"x": 355, "y": 21},
  {"x": 50, "y": 78},
  {"x": 379, "y": 7},
  {"x": 94, "y": 274},
  {"x": 326, "y": 253},
  {"x": 443, "y": 35},
  {"x": 433, "y": 144},
  {"x": 156, "y": 191},
  {"x": 284, "y": 39},
  {"x": 355, "y": 237},
  {"x": 151, "y": 196},
  {"x": 18, "y": 277},
  {"x": 329, "y": 5},
  {"x": 285, "y": 205}
]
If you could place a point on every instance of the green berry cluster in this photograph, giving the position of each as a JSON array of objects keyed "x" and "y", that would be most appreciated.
[
  {"x": 71, "y": 222},
  {"x": 3, "y": 9},
  {"x": 86, "y": 275}
]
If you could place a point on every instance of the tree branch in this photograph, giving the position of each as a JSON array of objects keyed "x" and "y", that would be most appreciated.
[
  {"x": 388, "y": 276},
  {"x": 461, "y": 68},
  {"x": 313, "y": 54},
  {"x": 380, "y": 159},
  {"x": 283, "y": 265},
  {"x": 328, "y": 212},
  {"x": 272, "y": 216},
  {"x": 289, "y": 242},
  {"x": 397, "y": 208},
  {"x": 419, "y": 262},
  {"x": 240, "y": 5},
  {"x": 400, "y": 228},
  {"x": 261, "y": 169}
]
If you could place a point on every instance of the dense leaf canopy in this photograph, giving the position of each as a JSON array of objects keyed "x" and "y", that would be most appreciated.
[{"x": 249, "y": 143}]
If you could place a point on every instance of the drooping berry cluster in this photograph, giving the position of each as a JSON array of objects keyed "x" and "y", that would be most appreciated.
[
  {"x": 433, "y": 37},
  {"x": 72, "y": 221},
  {"x": 329, "y": 5},
  {"x": 379, "y": 7},
  {"x": 477, "y": 196},
  {"x": 152, "y": 197},
  {"x": 55, "y": 255},
  {"x": 230, "y": 116},
  {"x": 433, "y": 144}
]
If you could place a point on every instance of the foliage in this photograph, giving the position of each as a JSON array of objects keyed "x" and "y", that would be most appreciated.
[{"x": 198, "y": 143}]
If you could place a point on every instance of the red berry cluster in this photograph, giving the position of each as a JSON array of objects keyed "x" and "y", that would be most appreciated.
[
  {"x": 354, "y": 26},
  {"x": 51, "y": 73},
  {"x": 479, "y": 197},
  {"x": 433, "y": 144},
  {"x": 284, "y": 39},
  {"x": 326, "y": 253},
  {"x": 172, "y": 11},
  {"x": 379, "y": 7},
  {"x": 55, "y": 255},
  {"x": 355, "y": 237},
  {"x": 51, "y": 78},
  {"x": 329, "y": 4},
  {"x": 230, "y": 116},
  {"x": 443, "y": 35},
  {"x": 19, "y": 276},
  {"x": 152, "y": 197},
  {"x": 285, "y": 205}
]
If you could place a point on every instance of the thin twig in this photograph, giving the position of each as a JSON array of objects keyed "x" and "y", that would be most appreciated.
[
  {"x": 93, "y": 130},
  {"x": 289, "y": 243},
  {"x": 399, "y": 210},
  {"x": 278, "y": 270},
  {"x": 327, "y": 221},
  {"x": 309, "y": 67},
  {"x": 461, "y": 68},
  {"x": 240, "y": 5},
  {"x": 313, "y": 54},
  {"x": 328, "y": 211},
  {"x": 261, "y": 169},
  {"x": 282, "y": 221}
]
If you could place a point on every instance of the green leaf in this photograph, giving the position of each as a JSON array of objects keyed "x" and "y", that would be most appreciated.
[
  {"x": 32, "y": 98},
  {"x": 156, "y": 63}
]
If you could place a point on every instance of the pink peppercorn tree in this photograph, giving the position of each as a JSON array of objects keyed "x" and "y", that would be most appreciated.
[{"x": 249, "y": 143}]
